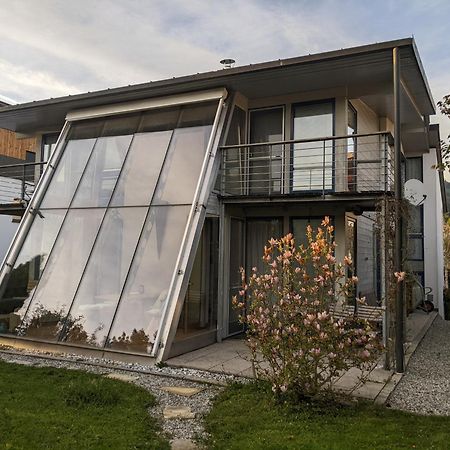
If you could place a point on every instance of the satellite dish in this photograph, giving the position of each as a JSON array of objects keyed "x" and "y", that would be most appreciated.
[{"x": 415, "y": 192}]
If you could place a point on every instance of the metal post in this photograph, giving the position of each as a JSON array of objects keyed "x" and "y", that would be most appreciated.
[
  {"x": 22, "y": 197},
  {"x": 323, "y": 169},
  {"x": 399, "y": 304}
]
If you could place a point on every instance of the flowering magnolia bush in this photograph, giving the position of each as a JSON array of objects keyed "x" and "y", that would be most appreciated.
[{"x": 298, "y": 341}]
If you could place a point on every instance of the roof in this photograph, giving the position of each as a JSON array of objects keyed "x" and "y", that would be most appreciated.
[{"x": 372, "y": 60}]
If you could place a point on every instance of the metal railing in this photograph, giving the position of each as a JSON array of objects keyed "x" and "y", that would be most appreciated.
[
  {"x": 358, "y": 163},
  {"x": 17, "y": 182}
]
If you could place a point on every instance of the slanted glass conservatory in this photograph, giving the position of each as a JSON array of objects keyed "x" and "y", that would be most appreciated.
[{"x": 102, "y": 252}]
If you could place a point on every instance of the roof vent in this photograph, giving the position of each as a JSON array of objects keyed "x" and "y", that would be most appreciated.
[{"x": 227, "y": 63}]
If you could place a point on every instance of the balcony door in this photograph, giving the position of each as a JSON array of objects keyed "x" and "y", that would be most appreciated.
[
  {"x": 265, "y": 161},
  {"x": 312, "y": 162}
]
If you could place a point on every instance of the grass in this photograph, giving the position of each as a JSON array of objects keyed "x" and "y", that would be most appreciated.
[
  {"x": 46, "y": 408},
  {"x": 246, "y": 417}
]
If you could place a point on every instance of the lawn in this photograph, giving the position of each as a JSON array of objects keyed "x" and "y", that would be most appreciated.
[
  {"x": 246, "y": 417},
  {"x": 64, "y": 409}
]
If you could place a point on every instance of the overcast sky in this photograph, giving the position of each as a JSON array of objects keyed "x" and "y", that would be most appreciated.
[{"x": 50, "y": 48}]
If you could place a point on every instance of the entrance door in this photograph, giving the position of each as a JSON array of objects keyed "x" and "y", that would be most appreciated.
[
  {"x": 237, "y": 260},
  {"x": 247, "y": 241},
  {"x": 312, "y": 168}
]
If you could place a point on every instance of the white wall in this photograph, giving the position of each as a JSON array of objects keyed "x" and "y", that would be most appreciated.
[
  {"x": 7, "y": 231},
  {"x": 433, "y": 247}
]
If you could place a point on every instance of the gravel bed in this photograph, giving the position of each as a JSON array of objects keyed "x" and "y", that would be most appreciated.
[
  {"x": 425, "y": 387},
  {"x": 149, "y": 377}
]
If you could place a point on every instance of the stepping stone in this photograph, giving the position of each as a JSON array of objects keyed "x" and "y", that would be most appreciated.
[
  {"x": 181, "y": 390},
  {"x": 121, "y": 377},
  {"x": 183, "y": 444},
  {"x": 178, "y": 412},
  {"x": 21, "y": 362}
]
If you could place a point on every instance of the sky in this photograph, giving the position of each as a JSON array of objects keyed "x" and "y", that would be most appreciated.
[{"x": 50, "y": 48}]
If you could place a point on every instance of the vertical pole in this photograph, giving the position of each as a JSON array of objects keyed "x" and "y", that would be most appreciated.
[
  {"x": 22, "y": 197},
  {"x": 323, "y": 168},
  {"x": 399, "y": 304}
]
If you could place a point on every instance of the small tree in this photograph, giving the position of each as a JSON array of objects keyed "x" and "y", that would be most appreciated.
[
  {"x": 444, "y": 107},
  {"x": 297, "y": 340}
]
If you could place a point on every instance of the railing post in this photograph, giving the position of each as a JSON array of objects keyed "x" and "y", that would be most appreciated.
[
  {"x": 222, "y": 171},
  {"x": 323, "y": 169},
  {"x": 23, "y": 183},
  {"x": 270, "y": 168}
]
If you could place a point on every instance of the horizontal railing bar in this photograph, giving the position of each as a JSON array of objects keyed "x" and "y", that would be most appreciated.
[
  {"x": 40, "y": 163},
  {"x": 300, "y": 141}
]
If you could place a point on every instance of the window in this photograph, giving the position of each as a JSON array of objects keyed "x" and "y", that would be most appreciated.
[
  {"x": 312, "y": 168},
  {"x": 265, "y": 161},
  {"x": 351, "y": 148},
  {"x": 414, "y": 169}
]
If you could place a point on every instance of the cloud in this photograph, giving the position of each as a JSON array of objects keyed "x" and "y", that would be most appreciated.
[{"x": 56, "y": 47}]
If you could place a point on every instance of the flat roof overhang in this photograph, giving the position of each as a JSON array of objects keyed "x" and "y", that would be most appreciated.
[{"x": 365, "y": 71}]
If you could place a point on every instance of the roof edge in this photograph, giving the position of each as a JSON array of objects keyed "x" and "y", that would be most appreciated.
[{"x": 298, "y": 60}]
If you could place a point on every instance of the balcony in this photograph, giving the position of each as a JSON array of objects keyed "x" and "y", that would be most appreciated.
[
  {"x": 353, "y": 164},
  {"x": 17, "y": 184}
]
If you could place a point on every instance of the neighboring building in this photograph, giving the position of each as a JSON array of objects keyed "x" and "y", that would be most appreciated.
[
  {"x": 132, "y": 242},
  {"x": 13, "y": 154}
]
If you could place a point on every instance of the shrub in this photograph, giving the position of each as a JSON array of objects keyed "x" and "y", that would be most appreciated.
[{"x": 289, "y": 309}]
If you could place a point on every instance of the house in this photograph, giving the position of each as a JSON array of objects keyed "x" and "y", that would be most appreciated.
[
  {"x": 155, "y": 195},
  {"x": 17, "y": 175}
]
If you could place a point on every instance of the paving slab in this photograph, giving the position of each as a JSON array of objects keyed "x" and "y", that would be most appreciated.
[
  {"x": 121, "y": 377},
  {"x": 369, "y": 390},
  {"x": 178, "y": 412},
  {"x": 183, "y": 444},
  {"x": 22, "y": 362},
  {"x": 181, "y": 390}
]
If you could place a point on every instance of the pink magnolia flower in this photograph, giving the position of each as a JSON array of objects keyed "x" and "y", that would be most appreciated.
[{"x": 400, "y": 276}]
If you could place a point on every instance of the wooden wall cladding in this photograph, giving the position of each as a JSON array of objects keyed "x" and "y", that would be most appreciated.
[{"x": 13, "y": 147}]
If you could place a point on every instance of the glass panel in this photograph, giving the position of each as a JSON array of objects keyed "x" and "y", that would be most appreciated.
[
  {"x": 416, "y": 219},
  {"x": 61, "y": 276},
  {"x": 237, "y": 230},
  {"x": 415, "y": 248},
  {"x": 28, "y": 268},
  {"x": 259, "y": 231},
  {"x": 299, "y": 232},
  {"x": 233, "y": 169},
  {"x": 161, "y": 120},
  {"x": 145, "y": 293},
  {"x": 102, "y": 171},
  {"x": 68, "y": 173},
  {"x": 96, "y": 300},
  {"x": 141, "y": 169},
  {"x": 351, "y": 148},
  {"x": 311, "y": 158},
  {"x": 86, "y": 129},
  {"x": 199, "y": 312},
  {"x": 265, "y": 161},
  {"x": 121, "y": 125},
  {"x": 198, "y": 115},
  {"x": 414, "y": 168},
  {"x": 299, "y": 229},
  {"x": 182, "y": 167}
]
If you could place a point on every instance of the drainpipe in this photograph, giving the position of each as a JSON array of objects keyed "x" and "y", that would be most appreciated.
[{"x": 398, "y": 189}]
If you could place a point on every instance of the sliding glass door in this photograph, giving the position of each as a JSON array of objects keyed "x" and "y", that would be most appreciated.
[
  {"x": 312, "y": 162},
  {"x": 265, "y": 161}
]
